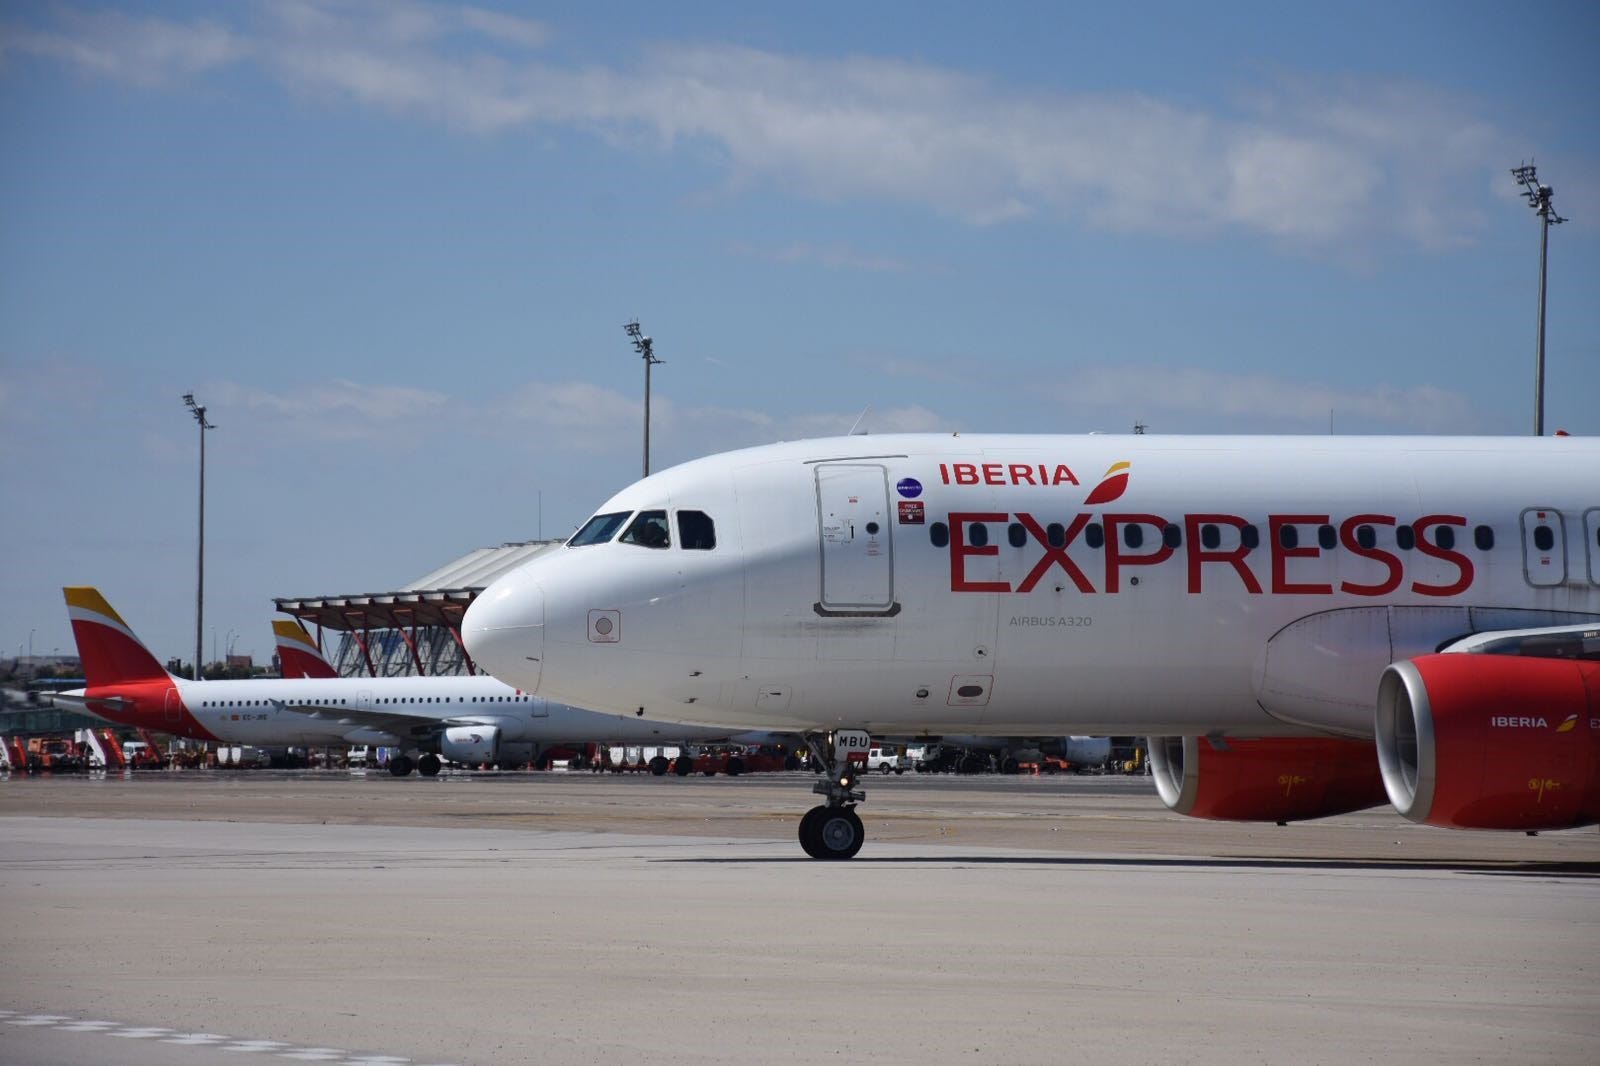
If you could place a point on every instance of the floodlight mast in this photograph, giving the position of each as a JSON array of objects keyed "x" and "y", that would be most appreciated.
[
  {"x": 199, "y": 412},
  {"x": 1527, "y": 175},
  {"x": 642, "y": 345}
]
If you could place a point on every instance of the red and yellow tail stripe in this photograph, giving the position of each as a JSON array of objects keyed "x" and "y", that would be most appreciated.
[
  {"x": 298, "y": 655},
  {"x": 110, "y": 651}
]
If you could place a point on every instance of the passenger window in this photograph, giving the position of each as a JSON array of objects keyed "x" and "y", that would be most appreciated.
[
  {"x": 1543, "y": 539},
  {"x": 648, "y": 530},
  {"x": 978, "y": 535},
  {"x": 1133, "y": 535},
  {"x": 1327, "y": 538},
  {"x": 1171, "y": 536},
  {"x": 1289, "y": 536},
  {"x": 1094, "y": 535},
  {"x": 1210, "y": 536},
  {"x": 1056, "y": 534},
  {"x": 696, "y": 531},
  {"x": 1483, "y": 537},
  {"x": 939, "y": 534},
  {"x": 1405, "y": 537},
  {"x": 1445, "y": 537},
  {"x": 1250, "y": 537},
  {"x": 1016, "y": 534},
  {"x": 1366, "y": 537},
  {"x": 599, "y": 529}
]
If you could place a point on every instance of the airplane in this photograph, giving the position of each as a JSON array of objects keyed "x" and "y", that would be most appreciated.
[
  {"x": 463, "y": 719},
  {"x": 298, "y": 654},
  {"x": 1267, "y": 610}
]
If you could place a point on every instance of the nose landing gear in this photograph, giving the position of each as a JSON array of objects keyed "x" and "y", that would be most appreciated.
[{"x": 833, "y": 830}]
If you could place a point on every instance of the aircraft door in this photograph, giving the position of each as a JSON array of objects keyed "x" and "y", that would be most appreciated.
[
  {"x": 857, "y": 553},
  {"x": 1591, "y": 537},
  {"x": 1544, "y": 547},
  {"x": 174, "y": 706}
]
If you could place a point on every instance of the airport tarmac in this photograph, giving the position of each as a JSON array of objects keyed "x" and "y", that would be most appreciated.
[{"x": 201, "y": 917}]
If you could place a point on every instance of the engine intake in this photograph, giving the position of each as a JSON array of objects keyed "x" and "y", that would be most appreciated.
[
  {"x": 1476, "y": 741},
  {"x": 471, "y": 744},
  {"x": 1265, "y": 779}
]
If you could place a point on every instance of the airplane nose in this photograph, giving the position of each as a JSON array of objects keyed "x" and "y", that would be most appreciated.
[{"x": 504, "y": 631}]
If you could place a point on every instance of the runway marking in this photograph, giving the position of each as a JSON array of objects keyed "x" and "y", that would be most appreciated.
[
  {"x": 196, "y": 1039},
  {"x": 315, "y": 1054},
  {"x": 279, "y": 1048}
]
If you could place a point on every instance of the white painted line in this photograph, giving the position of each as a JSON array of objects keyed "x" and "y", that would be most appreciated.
[
  {"x": 315, "y": 1054},
  {"x": 87, "y": 1027},
  {"x": 139, "y": 1034},
  {"x": 257, "y": 1045},
  {"x": 378, "y": 1060},
  {"x": 40, "y": 1019},
  {"x": 195, "y": 1039}
]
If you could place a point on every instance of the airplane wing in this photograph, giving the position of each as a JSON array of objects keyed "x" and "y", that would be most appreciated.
[{"x": 397, "y": 722}]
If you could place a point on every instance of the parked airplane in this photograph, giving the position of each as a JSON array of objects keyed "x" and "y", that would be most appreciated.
[
  {"x": 464, "y": 719},
  {"x": 298, "y": 654},
  {"x": 1266, "y": 609}
]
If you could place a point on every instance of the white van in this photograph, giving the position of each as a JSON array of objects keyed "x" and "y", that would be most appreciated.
[{"x": 887, "y": 760}]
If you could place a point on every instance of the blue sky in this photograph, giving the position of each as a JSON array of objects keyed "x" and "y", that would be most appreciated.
[{"x": 392, "y": 247}]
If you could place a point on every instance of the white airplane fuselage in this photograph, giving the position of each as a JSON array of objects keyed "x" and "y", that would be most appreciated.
[
  {"x": 277, "y": 712},
  {"x": 1024, "y": 585}
]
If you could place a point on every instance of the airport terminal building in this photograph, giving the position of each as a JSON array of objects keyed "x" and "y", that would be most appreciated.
[{"x": 413, "y": 630}]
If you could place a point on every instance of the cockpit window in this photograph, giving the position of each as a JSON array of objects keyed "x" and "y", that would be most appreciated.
[
  {"x": 696, "y": 531},
  {"x": 649, "y": 530},
  {"x": 599, "y": 529}
]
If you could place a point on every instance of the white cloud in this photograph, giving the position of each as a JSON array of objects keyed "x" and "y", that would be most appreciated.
[
  {"x": 581, "y": 416},
  {"x": 144, "y": 51},
  {"x": 1262, "y": 403},
  {"x": 333, "y": 410},
  {"x": 1321, "y": 164}
]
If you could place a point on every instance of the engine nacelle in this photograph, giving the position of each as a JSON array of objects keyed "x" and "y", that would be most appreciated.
[
  {"x": 471, "y": 744},
  {"x": 1081, "y": 751},
  {"x": 1478, "y": 741},
  {"x": 1265, "y": 779}
]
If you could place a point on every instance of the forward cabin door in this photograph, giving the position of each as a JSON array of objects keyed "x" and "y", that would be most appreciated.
[
  {"x": 1544, "y": 547},
  {"x": 856, "y": 550}
]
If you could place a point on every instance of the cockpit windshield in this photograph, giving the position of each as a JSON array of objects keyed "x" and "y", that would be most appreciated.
[
  {"x": 649, "y": 530},
  {"x": 599, "y": 529}
]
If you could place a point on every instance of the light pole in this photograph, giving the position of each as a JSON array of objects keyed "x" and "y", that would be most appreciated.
[
  {"x": 641, "y": 344},
  {"x": 199, "y": 412},
  {"x": 1539, "y": 199}
]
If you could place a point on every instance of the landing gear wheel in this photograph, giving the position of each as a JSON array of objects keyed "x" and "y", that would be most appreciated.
[
  {"x": 658, "y": 766},
  {"x": 735, "y": 766},
  {"x": 400, "y": 766},
  {"x": 808, "y": 831},
  {"x": 683, "y": 767},
  {"x": 831, "y": 833},
  {"x": 429, "y": 765},
  {"x": 833, "y": 830}
]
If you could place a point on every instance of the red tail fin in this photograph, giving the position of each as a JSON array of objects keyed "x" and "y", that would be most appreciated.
[
  {"x": 297, "y": 652},
  {"x": 110, "y": 652}
]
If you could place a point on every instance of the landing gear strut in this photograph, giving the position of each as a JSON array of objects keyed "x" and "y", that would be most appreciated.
[{"x": 833, "y": 830}]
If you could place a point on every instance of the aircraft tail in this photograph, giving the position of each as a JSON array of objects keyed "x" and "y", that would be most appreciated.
[
  {"x": 298, "y": 655},
  {"x": 110, "y": 652}
]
